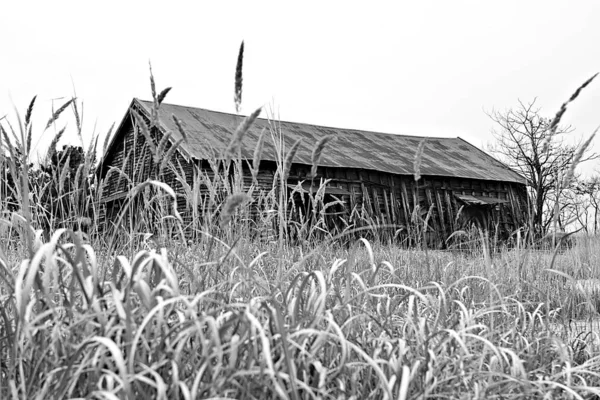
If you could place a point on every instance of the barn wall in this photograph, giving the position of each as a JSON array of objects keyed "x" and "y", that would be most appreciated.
[
  {"x": 386, "y": 198},
  {"x": 391, "y": 199},
  {"x": 133, "y": 157},
  {"x": 193, "y": 181},
  {"x": 204, "y": 192}
]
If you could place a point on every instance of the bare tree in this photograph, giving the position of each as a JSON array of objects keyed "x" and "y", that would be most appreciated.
[
  {"x": 589, "y": 189},
  {"x": 526, "y": 142},
  {"x": 574, "y": 206}
]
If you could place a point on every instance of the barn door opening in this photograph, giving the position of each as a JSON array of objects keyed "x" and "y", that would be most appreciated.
[{"x": 481, "y": 212}]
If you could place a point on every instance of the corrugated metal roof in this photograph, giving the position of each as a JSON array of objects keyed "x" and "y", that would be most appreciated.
[{"x": 452, "y": 157}]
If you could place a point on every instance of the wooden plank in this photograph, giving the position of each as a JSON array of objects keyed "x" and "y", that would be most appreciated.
[
  {"x": 393, "y": 202},
  {"x": 434, "y": 218},
  {"x": 376, "y": 203},
  {"x": 455, "y": 205},
  {"x": 393, "y": 206},
  {"x": 504, "y": 218},
  {"x": 388, "y": 211},
  {"x": 352, "y": 200},
  {"x": 514, "y": 211},
  {"x": 441, "y": 212},
  {"x": 405, "y": 202},
  {"x": 450, "y": 210}
]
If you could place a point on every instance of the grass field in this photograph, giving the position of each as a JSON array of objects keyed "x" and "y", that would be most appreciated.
[
  {"x": 208, "y": 320},
  {"x": 227, "y": 313}
]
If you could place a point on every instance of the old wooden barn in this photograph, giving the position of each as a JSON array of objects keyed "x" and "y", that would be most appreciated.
[{"x": 368, "y": 171}]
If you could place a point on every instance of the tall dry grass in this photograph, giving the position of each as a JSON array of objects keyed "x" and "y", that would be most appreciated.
[{"x": 241, "y": 308}]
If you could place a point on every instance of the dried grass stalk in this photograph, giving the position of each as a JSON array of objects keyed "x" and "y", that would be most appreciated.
[
  {"x": 52, "y": 148},
  {"x": 144, "y": 129},
  {"x": 163, "y": 94},
  {"x": 169, "y": 154},
  {"x": 64, "y": 173},
  {"x": 30, "y": 111},
  {"x": 79, "y": 174},
  {"x": 287, "y": 164},
  {"x": 258, "y": 154},
  {"x": 154, "y": 113},
  {"x": 18, "y": 145},
  {"x": 162, "y": 145},
  {"x": 179, "y": 127},
  {"x": 231, "y": 204},
  {"x": 577, "y": 159},
  {"x": 563, "y": 108},
  {"x": 554, "y": 124},
  {"x": 233, "y": 150},
  {"x": 237, "y": 98},
  {"x": 419, "y": 160},
  {"x": 11, "y": 148},
  {"x": 57, "y": 113},
  {"x": 318, "y": 151},
  {"x": 77, "y": 120},
  {"x": 107, "y": 138}
]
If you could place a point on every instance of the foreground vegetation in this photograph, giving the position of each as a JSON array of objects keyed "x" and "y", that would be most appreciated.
[
  {"x": 375, "y": 321},
  {"x": 161, "y": 308}
]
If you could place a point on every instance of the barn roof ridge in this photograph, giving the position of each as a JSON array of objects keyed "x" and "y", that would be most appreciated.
[{"x": 149, "y": 103}]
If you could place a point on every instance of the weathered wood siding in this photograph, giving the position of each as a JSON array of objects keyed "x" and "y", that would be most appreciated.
[
  {"x": 133, "y": 159},
  {"x": 391, "y": 199}
]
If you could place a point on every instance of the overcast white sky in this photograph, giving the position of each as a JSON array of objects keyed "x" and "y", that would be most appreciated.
[{"x": 423, "y": 68}]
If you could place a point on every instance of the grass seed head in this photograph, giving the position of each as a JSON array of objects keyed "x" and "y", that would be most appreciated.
[
  {"x": 179, "y": 127},
  {"x": 419, "y": 159},
  {"x": 143, "y": 127},
  {"x": 77, "y": 119},
  {"x": 162, "y": 145},
  {"x": 287, "y": 165},
  {"x": 155, "y": 103},
  {"x": 231, "y": 204},
  {"x": 163, "y": 94},
  {"x": 563, "y": 108},
  {"x": 52, "y": 148},
  {"x": 577, "y": 159},
  {"x": 29, "y": 111},
  {"x": 554, "y": 124},
  {"x": 107, "y": 138},
  {"x": 238, "y": 80},
  {"x": 169, "y": 154},
  {"x": 57, "y": 113},
  {"x": 234, "y": 147},
  {"x": 318, "y": 151}
]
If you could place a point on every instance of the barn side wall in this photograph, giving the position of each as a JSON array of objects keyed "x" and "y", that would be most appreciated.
[
  {"x": 134, "y": 162},
  {"x": 204, "y": 192},
  {"x": 391, "y": 199}
]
